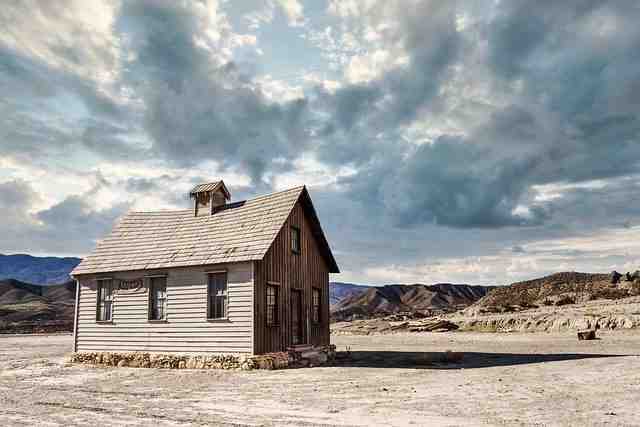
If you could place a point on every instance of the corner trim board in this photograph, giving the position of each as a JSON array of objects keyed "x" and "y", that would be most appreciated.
[{"x": 75, "y": 317}]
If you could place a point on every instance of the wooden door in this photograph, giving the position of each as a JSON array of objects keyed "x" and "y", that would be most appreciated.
[{"x": 297, "y": 321}]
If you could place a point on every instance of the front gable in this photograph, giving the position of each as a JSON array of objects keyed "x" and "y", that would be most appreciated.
[
  {"x": 294, "y": 273},
  {"x": 303, "y": 216}
]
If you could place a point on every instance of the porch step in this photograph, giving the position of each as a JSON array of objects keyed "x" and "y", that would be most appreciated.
[{"x": 300, "y": 347}]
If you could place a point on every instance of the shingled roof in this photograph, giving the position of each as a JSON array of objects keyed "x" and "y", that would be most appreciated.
[
  {"x": 211, "y": 186},
  {"x": 241, "y": 231}
]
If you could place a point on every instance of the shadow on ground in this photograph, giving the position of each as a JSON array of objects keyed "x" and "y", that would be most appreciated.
[{"x": 453, "y": 360}]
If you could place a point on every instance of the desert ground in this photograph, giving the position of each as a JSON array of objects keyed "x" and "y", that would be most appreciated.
[{"x": 401, "y": 379}]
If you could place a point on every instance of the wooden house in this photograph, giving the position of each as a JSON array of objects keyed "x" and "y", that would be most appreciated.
[{"x": 247, "y": 277}]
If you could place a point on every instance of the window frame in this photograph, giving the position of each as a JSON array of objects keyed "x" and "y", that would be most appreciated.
[
  {"x": 295, "y": 231},
  {"x": 273, "y": 309},
  {"x": 224, "y": 295},
  {"x": 316, "y": 309},
  {"x": 152, "y": 299},
  {"x": 100, "y": 309}
]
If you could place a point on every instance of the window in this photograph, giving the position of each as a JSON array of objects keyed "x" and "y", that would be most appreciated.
[
  {"x": 105, "y": 300},
  {"x": 295, "y": 240},
  {"x": 272, "y": 305},
  {"x": 217, "y": 300},
  {"x": 315, "y": 299},
  {"x": 158, "y": 298}
]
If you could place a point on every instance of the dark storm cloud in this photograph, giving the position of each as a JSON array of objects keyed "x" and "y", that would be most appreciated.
[
  {"x": 28, "y": 75},
  {"x": 71, "y": 226},
  {"x": 198, "y": 109},
  {"x": 447, "y": 183},
  {"x": 112, "y": 140},
  {"x": 76, "y": 216},
  {"x": 520, "y": 28},
  {"x": 195, "y": 109},
  {"x": 564, "y": 73},
  {"x": 361, "y": 112},
  {"x": 142, "y": 185},
  {"x": 571, "y": 121},
  {"x": 612, "y": 205},
  {"x": 40, "y": 98},
  {"x": 16, "y": 197}
]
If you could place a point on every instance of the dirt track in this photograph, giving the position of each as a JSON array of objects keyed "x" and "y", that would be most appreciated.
[{"x": 504, "y": 379}]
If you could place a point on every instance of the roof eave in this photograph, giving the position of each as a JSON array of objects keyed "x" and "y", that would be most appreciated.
[{"x": 325, "y": 249}]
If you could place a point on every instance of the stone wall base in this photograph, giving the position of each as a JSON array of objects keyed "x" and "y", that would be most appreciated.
[{"x": 281, "y": 360}]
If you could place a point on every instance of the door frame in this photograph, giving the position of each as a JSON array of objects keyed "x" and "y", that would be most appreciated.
[{"x": 298, "y": 293}]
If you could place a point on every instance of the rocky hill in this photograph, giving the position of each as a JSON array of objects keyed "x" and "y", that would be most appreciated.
[
  {"x": 339, "y": 291},
  {"x": 37, "y": 270},
  {"x": 25, "y": 307},
  {"x": 416, "y": 299},
  {"x": 558, "y": 302},
  {"x": 555, "y": 290}
]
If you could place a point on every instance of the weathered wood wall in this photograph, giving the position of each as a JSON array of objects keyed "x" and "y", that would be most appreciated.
[
  {"x": 302, "y": 271},
  {"x": 186, "y": 329}
]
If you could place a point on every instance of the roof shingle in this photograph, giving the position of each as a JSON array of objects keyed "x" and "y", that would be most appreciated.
[
  {"x": 211, "y": 186},
  {"x": 242, "y": 231}
]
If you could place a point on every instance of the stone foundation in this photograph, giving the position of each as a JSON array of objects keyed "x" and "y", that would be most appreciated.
[
  {"x": 163, "y": 361},
  {"x": 281, "y": 360}
]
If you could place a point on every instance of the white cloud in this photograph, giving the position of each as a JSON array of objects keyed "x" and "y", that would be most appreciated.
[
  {"x": 86, "y": 27},
  {"x": 294, "y": 11},
  {"x": 77, "y": 38},
  {"x": 604, "y": 251},
  {"x": 556, "y": 190},
  {"x": 327, "y": 84},
  {"x": 259, "y": 17},
  {"x": 370, "y": 65},
  {"x": 309, "y": 171},
  {"x": 277, "y": 90},
  {"x": 351, "y": 8}
]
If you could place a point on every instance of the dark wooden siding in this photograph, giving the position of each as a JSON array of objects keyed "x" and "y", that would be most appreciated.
[{"x": 302, "y": 271}]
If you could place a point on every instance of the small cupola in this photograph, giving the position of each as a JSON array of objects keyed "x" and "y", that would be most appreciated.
[{"x": 209, "y": 197}]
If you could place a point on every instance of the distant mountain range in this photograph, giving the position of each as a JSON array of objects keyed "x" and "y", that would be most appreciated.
[
  {"x": 36, "y": 294},
  {"x": 37, "y": 270},
  {"x": 373, "y": 301},
  {"x": 340, "y": 290},
  {"x": 346, "y": 299}
]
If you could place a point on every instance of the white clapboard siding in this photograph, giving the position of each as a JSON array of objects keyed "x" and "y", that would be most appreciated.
[{"x": 186, "y": 329}]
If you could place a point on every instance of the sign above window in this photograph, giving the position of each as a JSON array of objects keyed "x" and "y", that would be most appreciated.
[{"x": 130, "y": 285}]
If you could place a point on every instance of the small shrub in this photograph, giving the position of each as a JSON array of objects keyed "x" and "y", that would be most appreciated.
[{"x": 565, "y": 301}]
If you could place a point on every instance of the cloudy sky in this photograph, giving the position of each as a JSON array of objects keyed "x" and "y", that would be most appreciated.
[{"x": 464, "y": 141}]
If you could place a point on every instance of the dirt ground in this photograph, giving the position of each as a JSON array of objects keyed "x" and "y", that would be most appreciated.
[{"x": 503, "y": 379}]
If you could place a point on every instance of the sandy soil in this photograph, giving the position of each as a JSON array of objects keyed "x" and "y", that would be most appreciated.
[{"x": 504, "y": 379}]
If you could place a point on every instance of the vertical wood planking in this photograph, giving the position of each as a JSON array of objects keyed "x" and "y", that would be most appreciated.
[{"x": 302, "y": 271}]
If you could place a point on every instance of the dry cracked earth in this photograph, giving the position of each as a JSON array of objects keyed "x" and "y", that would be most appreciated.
[{"x": 503, "y": 379}]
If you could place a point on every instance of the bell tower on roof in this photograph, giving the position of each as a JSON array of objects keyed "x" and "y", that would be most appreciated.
[{"x": 209, "y": 198}]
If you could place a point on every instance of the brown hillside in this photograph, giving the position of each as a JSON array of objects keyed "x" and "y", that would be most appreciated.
[
  {"x": 556, "y": 289},
  {"x": 31, "y": 308}
]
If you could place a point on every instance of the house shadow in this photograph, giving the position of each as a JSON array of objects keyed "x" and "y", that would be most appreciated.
[{"x": 452, "y": 360}]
